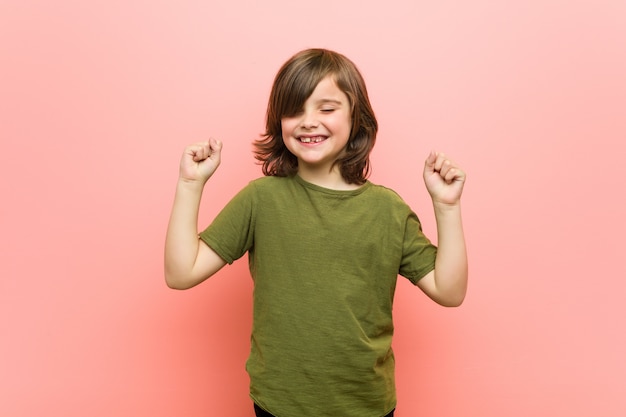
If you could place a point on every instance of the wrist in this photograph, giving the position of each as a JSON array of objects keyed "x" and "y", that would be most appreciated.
[
  {"x": 443, "y": 208},
  {"x": 190, "y": 185}
]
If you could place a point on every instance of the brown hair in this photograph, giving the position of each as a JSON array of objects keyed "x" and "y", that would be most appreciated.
[{"x": 294, "y": 83}]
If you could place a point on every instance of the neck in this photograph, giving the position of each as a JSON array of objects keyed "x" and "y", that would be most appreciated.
[{"x": 331, "y": 180}]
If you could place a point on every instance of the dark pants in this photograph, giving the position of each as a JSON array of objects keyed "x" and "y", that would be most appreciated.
[{"x": 262, "y": 413}]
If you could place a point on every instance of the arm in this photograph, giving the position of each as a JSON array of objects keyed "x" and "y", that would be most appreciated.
[
  {"x": 447, "y": 283},
  {"x": 188, "y": 260}
]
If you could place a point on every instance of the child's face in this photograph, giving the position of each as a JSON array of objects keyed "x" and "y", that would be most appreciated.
[{"x": 319, "y": 133}]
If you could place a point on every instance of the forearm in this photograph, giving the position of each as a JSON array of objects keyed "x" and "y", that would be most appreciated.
[
  {"x": 181, "y": 243},
  {"x": 451, "y": 261}
]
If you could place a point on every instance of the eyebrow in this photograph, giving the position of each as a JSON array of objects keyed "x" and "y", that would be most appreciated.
[{"x": 329, "y": 100}]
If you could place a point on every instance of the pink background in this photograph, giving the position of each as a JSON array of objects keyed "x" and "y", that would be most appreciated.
[{"x": 98, "y": 99}]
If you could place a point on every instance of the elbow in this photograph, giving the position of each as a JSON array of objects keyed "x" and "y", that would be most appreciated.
[
  {"x": 175, "y": 285},
  {"x": 183, "y": 280},
  {"x": 175, "y": 282},
  {"x": 451, "y": 291},
  {"x": 453, "y": 297},
  {"x": 454, "y": 301}
]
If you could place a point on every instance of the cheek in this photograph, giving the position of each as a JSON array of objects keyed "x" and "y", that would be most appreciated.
[
  {"x": 286, "y": 127},
  {"x": 286, "y": 132},
  {"x": 347, "y": 124}
]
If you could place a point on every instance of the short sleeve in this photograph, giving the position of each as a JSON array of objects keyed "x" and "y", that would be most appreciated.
[
  {"x": 231, "y": 234},
  {"x": 418, "y": 253}
]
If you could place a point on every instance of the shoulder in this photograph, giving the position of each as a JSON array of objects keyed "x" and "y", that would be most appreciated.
[
  {"x": 385, "y": 194},
  {"x": 269, "y": 187},
  {"x": 383, "y": 190},
  {"x": 270, "y": 183},
  {"x": 389, "y": 203},
  {"x": 269, "y": 180}
]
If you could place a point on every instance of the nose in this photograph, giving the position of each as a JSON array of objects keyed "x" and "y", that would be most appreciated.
[{"x": 309, "y": 121}]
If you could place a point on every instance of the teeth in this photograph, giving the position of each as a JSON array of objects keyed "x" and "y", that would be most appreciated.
[{"x": 316, "y": 139}]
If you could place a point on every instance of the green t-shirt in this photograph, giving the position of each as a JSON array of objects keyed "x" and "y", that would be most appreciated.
[{"x": 324, "y": 264}]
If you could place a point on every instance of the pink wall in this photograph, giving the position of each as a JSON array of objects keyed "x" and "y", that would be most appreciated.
[{"x": 98, "y": 99}]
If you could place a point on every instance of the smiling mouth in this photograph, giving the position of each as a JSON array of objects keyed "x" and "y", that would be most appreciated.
[{"x": 311, "y": 139}]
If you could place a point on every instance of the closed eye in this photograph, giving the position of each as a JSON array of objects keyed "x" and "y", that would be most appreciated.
[{"x": 294, "y": 114}]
